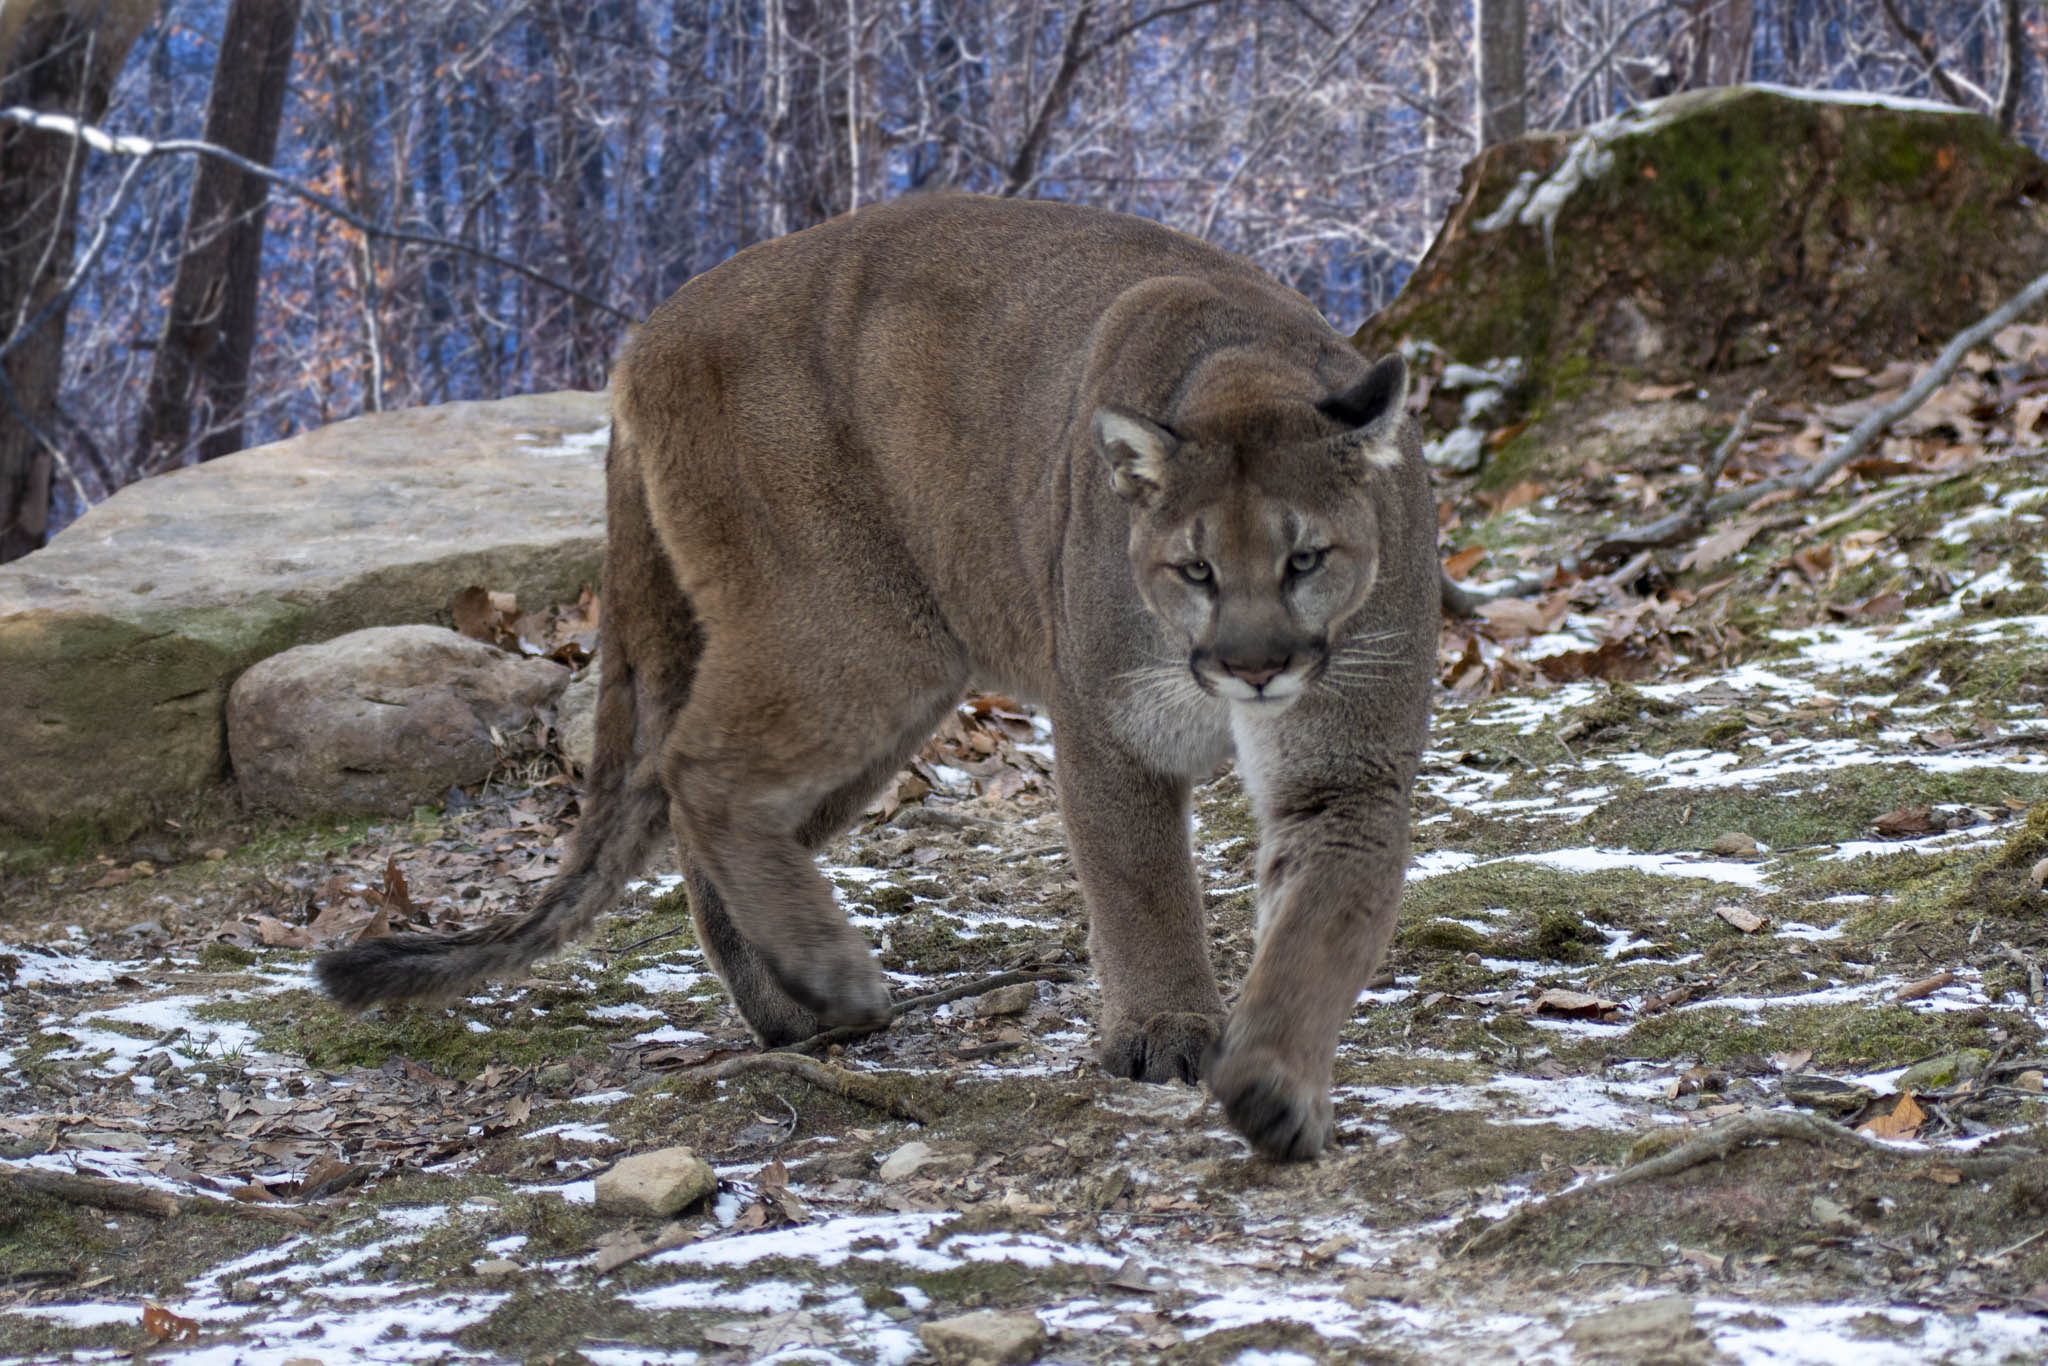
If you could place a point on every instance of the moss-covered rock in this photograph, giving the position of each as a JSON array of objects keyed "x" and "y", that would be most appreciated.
[{"x": 1741, "y": 230}]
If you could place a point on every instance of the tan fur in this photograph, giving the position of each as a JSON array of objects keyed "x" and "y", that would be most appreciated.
[{"x": 1068, "y": 455}]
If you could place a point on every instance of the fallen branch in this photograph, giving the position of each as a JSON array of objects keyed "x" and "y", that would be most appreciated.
[
  {"x": 1693, "y": 516},
  {"x": 819, "y": 1042},
  {"x": 1722, "y": 1140},
  {"x": 866, "y": 1087},
  {"x": 2037, "y": 989},
  {"x": 76, "y": 1188}
]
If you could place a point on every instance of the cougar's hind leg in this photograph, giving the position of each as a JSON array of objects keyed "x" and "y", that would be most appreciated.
[{"x": 761, "y": 769}]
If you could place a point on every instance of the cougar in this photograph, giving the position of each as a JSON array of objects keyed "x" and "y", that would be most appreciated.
[{"x": 1068, "y": 455}]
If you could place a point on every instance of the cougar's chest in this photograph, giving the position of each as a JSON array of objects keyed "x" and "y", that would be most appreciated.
[{"x": 1168, "y": 720}]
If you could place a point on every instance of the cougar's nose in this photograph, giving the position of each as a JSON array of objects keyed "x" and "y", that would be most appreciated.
[{"x": 1257, "y": 675}]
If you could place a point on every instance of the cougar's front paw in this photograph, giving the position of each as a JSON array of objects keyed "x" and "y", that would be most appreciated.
[
  {"x": 847, "y": 991},
  {"x": 1173, "y": 1045},
  {"x": 1286, "y": 1118}
]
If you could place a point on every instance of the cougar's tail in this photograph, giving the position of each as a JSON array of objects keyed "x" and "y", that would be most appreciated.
[{"x": 650, "y": 648}]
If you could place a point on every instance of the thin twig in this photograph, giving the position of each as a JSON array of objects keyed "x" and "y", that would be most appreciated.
[
  {"x": 1721, "y": 1141},
  {"x": 1693, "y": 516},
  {"x": 819, "y": 1042},
  {"x": 2037, "y": 989},
  {"x": 869, "y": 1088}
]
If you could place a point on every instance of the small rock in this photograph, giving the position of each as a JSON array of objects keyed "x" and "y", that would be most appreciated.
[
  {"x": 1014, "y": 999},
  {"x": 662, "y": 1182},
  {"x": 2033, "y": 1079},
  {"x": 576, "y": 718},
  {"x": 1362, "y": 1290},
  {"x": 381, "y": 719},
  {"x": 904, "y": 1162},
  {"x": 1833, "y": 1217},
  {"x": 986, "y": 1338},
  {"x": 1936, "y": 1074},
  {"x": 1734, "y": 844},
  {"x": 1825, "y": 1093},
  {"x": 1659, "y": 1330},
  {"x": 492, "y": 1267}
]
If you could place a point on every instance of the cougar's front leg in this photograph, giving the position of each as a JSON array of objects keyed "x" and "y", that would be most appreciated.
[
  {"x": 1127, "y": 830},
  {"x": 775, "y": 1018},
  {"x": 1332, "y": 856}
]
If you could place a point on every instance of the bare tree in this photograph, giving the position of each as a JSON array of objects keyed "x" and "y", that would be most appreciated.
[
  {"x": 1499, "y": 54},
  {"x": 202, "y": 356},
  {"x": 63, "y": 55}
]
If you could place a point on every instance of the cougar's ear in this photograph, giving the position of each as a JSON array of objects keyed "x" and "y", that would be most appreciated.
[
  {"x": 1137, "y": 451},
  {"x": 1375, "y": 405}
]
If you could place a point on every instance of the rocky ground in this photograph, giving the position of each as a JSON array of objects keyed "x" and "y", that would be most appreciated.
[{"x": 1713, "y": 1030}]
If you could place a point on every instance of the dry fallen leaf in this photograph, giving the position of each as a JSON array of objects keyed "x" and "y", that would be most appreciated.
[
  {"x": 1904, "y": 1121},
  {"x": 1907, "y": 822},
  {"x": 1730, "y": 540},
  {"x": 1464, "y": 561},
  {"x": 1749, "y": 922},
  {"x": 1575, "y": 1005},
  {"x": 164, "y": 1326}
]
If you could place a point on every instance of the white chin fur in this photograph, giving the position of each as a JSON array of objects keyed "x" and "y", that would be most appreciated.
[{"x": 1276, "y": 694}]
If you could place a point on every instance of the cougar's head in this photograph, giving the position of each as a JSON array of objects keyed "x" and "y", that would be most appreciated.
[{"x": 1254, "y": 536}]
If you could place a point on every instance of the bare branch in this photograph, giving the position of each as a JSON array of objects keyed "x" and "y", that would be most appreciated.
[{"x": 146, "y": 149}]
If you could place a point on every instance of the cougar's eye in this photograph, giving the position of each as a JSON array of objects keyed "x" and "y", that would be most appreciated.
[
  {"x": 1305, "y": 561},
  {"x": 1195, "y": 571}
]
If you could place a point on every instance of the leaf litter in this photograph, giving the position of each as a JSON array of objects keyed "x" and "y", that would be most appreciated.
[{"x": 1591, "y": 967}]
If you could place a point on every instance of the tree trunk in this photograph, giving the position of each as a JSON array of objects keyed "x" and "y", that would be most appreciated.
[
  {"x": 210, "y": 328},
  {"x": 60, "y": 56},
  {"x": 1499, "y": 48}
]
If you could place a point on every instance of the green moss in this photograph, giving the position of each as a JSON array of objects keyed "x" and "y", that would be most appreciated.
[
  {"x": 219, "y": 957},
  {"x": 1865, "y": 1035}
]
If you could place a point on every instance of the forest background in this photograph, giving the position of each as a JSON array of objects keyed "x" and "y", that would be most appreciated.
[{"x": 474, "y": 198}]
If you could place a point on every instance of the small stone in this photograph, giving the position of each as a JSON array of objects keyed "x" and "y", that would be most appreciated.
[
  {"x": 1832, "y": 1217},
  {"x": 1825, "y": 1093},
  {"x": 1647, "y": 1330},
  {"x": 1363, "y": 1290},
  {"x": 2031, "y": 1080},
  {"x": 493, "y": 1267},
  {"x": 1014, "y": 999},
  {"x": 1734, "y": 844},
  {"x": 986, "y": 1338},
  {"x": 662, "y": 1182},
  {"x": 245, "y": 1291},
  {"x": 904, "y": 1162}
]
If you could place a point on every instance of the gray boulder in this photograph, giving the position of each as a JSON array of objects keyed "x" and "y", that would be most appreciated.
[
  {"x": 382, "y": 719},
  {"x": 119, "y": 639}
]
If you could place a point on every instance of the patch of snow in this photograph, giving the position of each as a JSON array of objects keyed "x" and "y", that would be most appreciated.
[{"x": 758, "y": 1297}]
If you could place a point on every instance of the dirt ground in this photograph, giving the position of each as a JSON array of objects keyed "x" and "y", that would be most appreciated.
[{"x": 1713, "y": 1030}]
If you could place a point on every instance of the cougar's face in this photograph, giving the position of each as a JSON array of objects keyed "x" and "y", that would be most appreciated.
[
  {"x": 1255, "y": 587},
  {"x": 1254, "y": 536}
]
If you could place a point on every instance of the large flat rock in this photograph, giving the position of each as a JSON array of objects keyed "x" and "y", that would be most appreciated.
[{"x": 118, "y": 640}]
